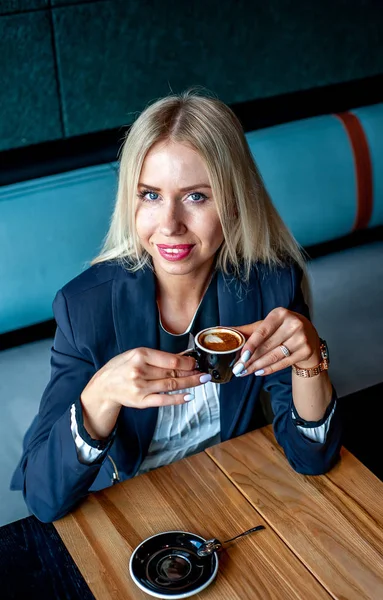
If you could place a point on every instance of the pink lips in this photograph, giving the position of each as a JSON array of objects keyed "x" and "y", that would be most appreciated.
[{"x": 175, "y": 252}]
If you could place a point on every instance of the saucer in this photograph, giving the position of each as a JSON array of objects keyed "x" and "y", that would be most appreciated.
[{"x": 167, "y": 565}]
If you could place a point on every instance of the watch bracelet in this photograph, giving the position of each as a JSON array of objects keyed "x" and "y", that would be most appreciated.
[{"x": 323, "y": 366}]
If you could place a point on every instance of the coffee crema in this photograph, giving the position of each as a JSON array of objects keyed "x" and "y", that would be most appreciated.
[{"x": 219, "y": 340}]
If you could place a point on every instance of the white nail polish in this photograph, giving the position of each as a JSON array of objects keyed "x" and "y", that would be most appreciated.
[
  {"x": 238, "y": 369},
  {"x": 188, "y": 397},
  {"x": 259, "y": 372},
  {"x": 205, "y": 378},
  {"x": 245, "y": 356}
]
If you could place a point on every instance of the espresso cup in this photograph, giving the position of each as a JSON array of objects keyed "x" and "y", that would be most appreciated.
[{"x": 217, "y": 350}]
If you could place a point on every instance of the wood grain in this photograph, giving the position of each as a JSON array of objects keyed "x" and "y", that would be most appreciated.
[
  {"x": 190, "y": 495},
  {"x": 333, "y": 523},
  {"x": 356, "y": 493}
]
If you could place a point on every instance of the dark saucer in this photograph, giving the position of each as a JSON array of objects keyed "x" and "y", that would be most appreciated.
[{"x": 167, "y": 565}]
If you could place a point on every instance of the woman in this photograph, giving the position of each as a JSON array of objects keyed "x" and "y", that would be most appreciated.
[{"x": 194, "y": 242}]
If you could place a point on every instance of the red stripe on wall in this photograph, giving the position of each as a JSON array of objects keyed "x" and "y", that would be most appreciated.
[{"x": 363, "y": 168}]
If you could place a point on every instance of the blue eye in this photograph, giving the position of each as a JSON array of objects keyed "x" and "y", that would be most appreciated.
[
  {"x": 200, "y": 197},
  {"x": 148, "y": 196}
]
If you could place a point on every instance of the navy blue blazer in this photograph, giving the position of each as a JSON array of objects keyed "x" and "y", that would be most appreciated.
[{"x": 106, "y": 311}]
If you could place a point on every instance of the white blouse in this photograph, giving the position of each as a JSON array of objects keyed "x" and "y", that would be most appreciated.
[{"x": 184, "y": 429}]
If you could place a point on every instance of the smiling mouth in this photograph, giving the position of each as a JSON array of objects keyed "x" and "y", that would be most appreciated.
[
  {"x": 172, "y": 250},
  {"x": 176, "y": 251}
]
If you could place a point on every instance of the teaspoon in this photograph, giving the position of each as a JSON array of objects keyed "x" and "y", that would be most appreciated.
[{"x": 213, "y": 545}]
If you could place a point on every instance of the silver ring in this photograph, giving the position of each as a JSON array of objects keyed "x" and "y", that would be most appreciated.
[{"x": 286, "y": 351}]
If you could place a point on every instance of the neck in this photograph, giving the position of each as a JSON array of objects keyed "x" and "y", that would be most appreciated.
[{"x": 183, "y": 289}]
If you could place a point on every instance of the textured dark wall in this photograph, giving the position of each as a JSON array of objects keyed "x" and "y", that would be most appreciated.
[
  {"x": 70, "y": 67},
  {"x": 16, "y": 6}
]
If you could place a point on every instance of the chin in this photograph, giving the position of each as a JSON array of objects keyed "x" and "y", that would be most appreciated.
[{"x": 177, "y": 269}]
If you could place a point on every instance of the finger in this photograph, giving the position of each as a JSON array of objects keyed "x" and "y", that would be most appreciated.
[
  {"x": 275, "y": 360},
  {"x": 153, "y": 400},
  {"x": 253, "y": 365},
  {"x": 251, "y": 352},
  {"x": 274, "y": 343},
  {"x": 149, "y": 373},
  {"x": 272, "y": 332},
  {"x": 164, "y": 360},
  {"x": 172, "y": 384},
  {"x": 265, "y": 329},
  {"x": 247, "y": 330}
]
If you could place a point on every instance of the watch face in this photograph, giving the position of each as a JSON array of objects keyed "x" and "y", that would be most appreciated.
[{"x": 324, "y": 351}]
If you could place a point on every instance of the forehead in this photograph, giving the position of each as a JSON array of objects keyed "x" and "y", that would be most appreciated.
[{"x": 172, "y": 161}]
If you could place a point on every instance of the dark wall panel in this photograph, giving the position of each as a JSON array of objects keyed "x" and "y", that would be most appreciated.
[
  {"x": 66, "y": 2},
  {"x": 15, "y": 6},
  {"x": 122, "y": 54},
  {"x": 28, "y": 91}
]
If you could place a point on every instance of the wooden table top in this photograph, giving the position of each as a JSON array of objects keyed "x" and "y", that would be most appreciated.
[
  {"x": 333, "y": 523},
  {"x": 323, "y": 536}
]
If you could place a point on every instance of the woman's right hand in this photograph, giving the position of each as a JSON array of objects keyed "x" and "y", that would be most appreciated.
[{"x": 139, "y": 378}]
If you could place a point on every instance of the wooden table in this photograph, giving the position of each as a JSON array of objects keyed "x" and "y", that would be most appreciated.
[{"x": 323, "y": 536}]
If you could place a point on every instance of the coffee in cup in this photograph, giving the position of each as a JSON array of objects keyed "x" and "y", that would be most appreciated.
[
  {"x": 220, "y": 339},
  {"x": 217, "y": 351}
]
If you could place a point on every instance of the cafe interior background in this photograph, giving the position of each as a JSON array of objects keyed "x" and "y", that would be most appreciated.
[{"x": 306, "y": 81}]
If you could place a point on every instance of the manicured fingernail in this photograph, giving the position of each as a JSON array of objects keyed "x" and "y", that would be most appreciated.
[
  {"x": 245, "y": 356},
  {"x": 259, "y": 372},
  {"x": 205, "y": 378},
  {"x": 188, "y": 397},
  {"x": 243, "y": 373},
  {"x": 238, "y": 369}
]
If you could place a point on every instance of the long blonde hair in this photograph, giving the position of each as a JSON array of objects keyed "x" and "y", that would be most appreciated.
[{"x": 252, "y": 228}]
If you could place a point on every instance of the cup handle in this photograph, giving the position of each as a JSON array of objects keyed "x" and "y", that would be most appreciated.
[{"x": 194, "y": 354}]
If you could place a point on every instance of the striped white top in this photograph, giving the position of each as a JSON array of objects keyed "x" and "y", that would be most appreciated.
[{"x": 185, "y": 429}]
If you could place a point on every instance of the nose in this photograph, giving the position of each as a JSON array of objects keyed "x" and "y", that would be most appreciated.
[{"x": 172, "y": 222}]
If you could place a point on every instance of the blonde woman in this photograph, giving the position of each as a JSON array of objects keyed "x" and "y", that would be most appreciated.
[{"x": 194, "y": 242}]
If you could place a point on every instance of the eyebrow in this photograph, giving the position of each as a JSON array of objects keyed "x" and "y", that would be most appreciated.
[{"x": 185, "y": 189}]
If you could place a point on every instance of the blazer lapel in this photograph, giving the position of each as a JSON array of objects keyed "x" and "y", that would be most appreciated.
[
  {"x": 135, "y": 310},
  {"x": 237, "y": 306},
  {"x": 135, "y": 318}
]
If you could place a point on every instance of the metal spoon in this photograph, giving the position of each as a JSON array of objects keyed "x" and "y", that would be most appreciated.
[{"x": 213, "y": 545}]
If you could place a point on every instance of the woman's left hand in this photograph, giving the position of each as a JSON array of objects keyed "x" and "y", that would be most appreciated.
[{"x": 262, "y": 354}]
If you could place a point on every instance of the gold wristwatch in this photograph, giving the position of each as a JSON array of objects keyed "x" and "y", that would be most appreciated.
[{"x": 323, "y": 366}]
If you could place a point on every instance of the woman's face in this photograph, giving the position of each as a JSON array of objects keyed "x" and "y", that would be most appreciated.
[{"x": 176, "y": 218}]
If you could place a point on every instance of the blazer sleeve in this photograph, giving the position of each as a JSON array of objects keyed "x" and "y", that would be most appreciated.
[
  {"x": 305, "y": 456},
  {"x": 53, "y": 479}
]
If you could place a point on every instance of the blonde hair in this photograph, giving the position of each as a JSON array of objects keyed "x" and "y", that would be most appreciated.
[{"x": 252, "y": 228}]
